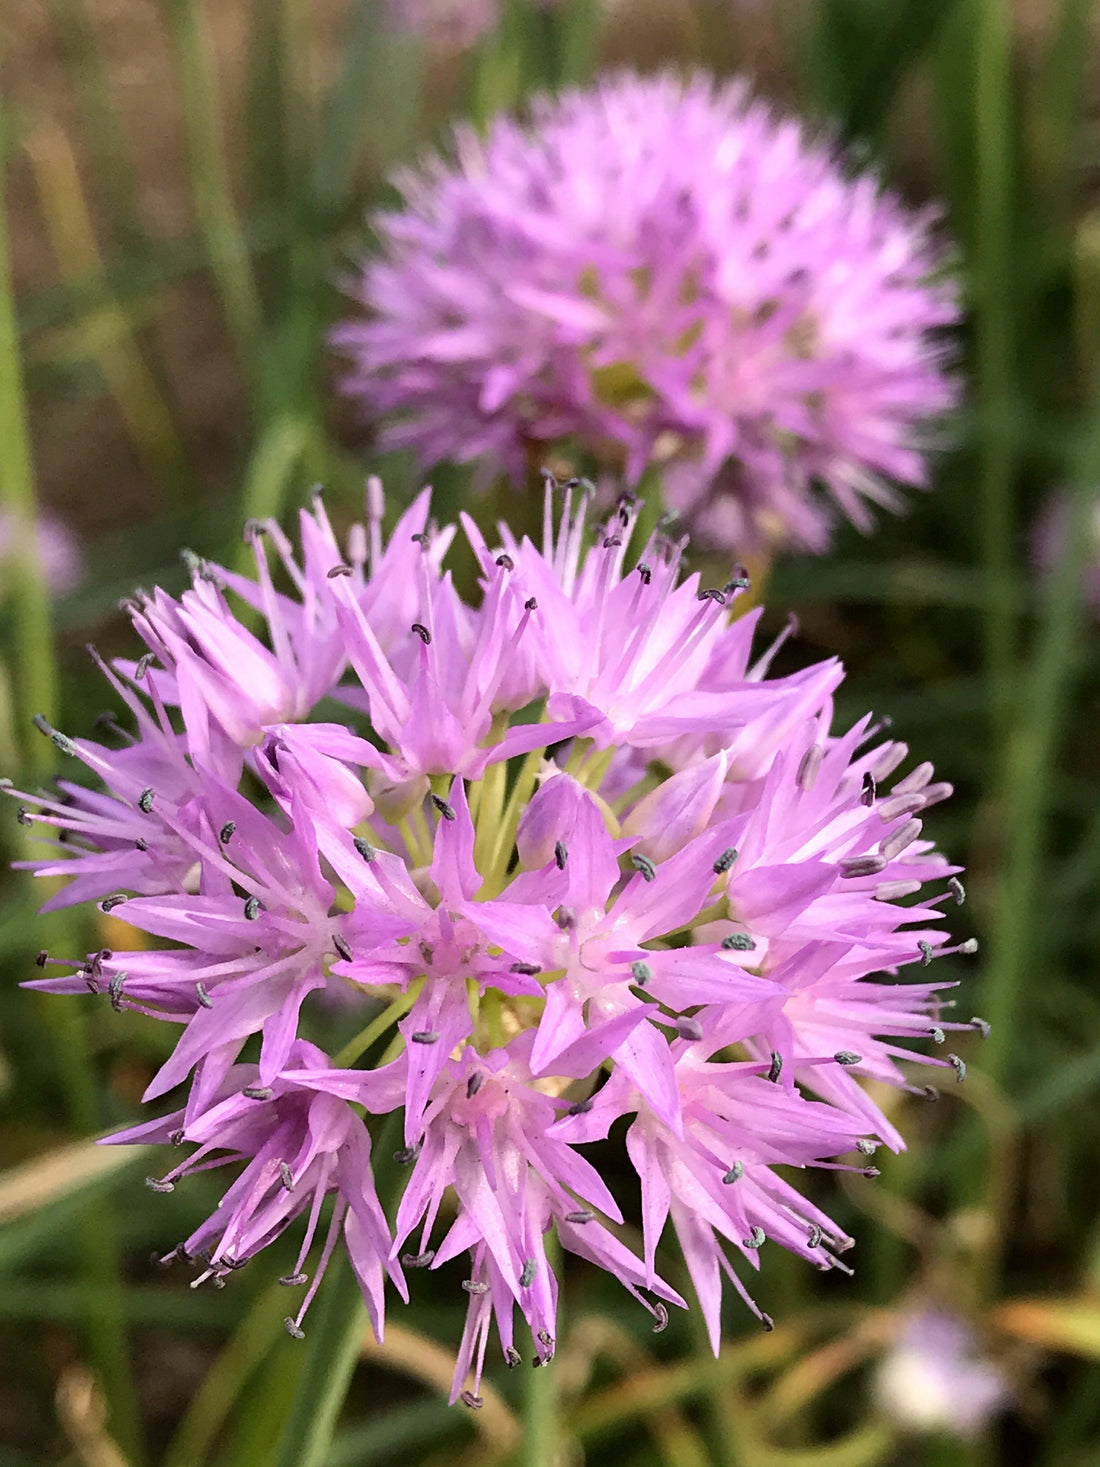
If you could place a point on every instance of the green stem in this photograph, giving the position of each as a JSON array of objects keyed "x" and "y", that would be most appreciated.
[
  {"x": 221, "y": 230},
  {"x": 36, "y": 670},
  {"x": 1029, "y": 766},
  {"x": 36, "y": 686},
  {"x": 336, "y": 1330},
  {"x": 541, "y": 1445},
  {"x": 995, "y": 345}
]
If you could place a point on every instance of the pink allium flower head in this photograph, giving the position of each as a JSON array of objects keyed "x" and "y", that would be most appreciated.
[
  {"x": 935, "y": 1377},
  {"x": 445, "y": 25},
  {"x": 62, "y": 563},
  {"x": 661, "y": 272},
  {"x": 1048, "y": 541},
  {"x": 575, "y": 857}
]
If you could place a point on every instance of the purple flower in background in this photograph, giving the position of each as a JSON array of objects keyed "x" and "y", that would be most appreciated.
[
  {"x": 574, "y": 858},
  {"x": 935, "y": 1377},
  {"x": 62, "y": 565},
  {"x": 445, "y": 25},
  {"x": 1048, "y": 541},
  {"x": 662, "y": 272}
]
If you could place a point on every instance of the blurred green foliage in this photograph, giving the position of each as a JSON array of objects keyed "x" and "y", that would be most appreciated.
[{"x": 186, "y": 186}]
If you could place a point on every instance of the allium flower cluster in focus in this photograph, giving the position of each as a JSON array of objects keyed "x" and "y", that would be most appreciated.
[
  {"x": 661, "y": 273},
  {"x": 572, "y": 857}
]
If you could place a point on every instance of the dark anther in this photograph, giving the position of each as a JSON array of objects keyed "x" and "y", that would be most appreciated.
[
  {"x": 546, "y": 1339},
  {"x": 407, "y": 1154},
  {"x": 339, "y": 570},
  {"x": 506, "y": 562},
  {"x": 580, "y": 1107},
  {"x": 469, "y": 1399},
  {"x": 740, "y": 580},
  {"x": 418, "y": 1260},
  {"x": 768, "y": 1322},
  {"x": 565, "y": 919},
  {"x": 735, "y": 1173},
  {"x": 862, "y": 865},
  {"x": 114, "y": 991},
  {"x": 925, "y": 950},
  {"x": 203, "y": 997},
  {"x": 642, "y": 972},
  {"x": 293, "y": 1280},
  {"x": 159, "y": 1184},
  {"x": 444, "y": 809},
  {"x": 871, "y": 1172},
  {"x": 475, "y": 1286},
  {"x": 474, "y": 1083},
  {"x": 527, "y": 1277},
  {"x": 725, "y": 861},
  {"x": 141, "y": 845},
  {"x": 286, "y": 1176},
  {"x": 582, "y": 1215},
  {"x": 512, "y": 1357},
  {"x": 776, "y": 1067},
  {"x": 225, "y": 835},
  {"x": 815, "y": 1236},
  {"x": 957, "y": 890},
  {"x": 425, "y": 1036},
  {"x": 561, "y": 855},
  {"x": 982, "y": 1026},
  {"x": 848, "y": 1057},
  {"x": 529, "y": 970},
  {"x": 421, "y": 539},
  {"x": 293, "y": 1329},
  {"x": 738, "y": 942},
  {"x": 42, "y": 959},
  {"x": 340, "y": 943},
  {"x": 689, "y": 1028},
  {"x": 257, "y": 1092},
  {"x": 612, "y": 542},
  {"x": 531, "y": 604},
  {"x": 643, "y": 865},
  {"x": 422, "y": 632},
  {"x": 252, "y": 909},
  {"x": 143, "y": 665},
  {"x": 364, "y": 847},
  {"x": 250, "y": 529},
  {"x": 23, "y": 815},
  {"x": 145, "y": 800},
  {"x": 177, "y": 1137},
  {"x": 660, "y": 1318},
  {"x": 808, "y": 767},
  {"x": 869, "y": 789},
  {"x": 109, "y": 903},
  {"x": 756, "y": 1239},
  {"x": 645, "y": 571},
  {"x": 958, "y": 1065},
  {"x": 711, "y": 593}
]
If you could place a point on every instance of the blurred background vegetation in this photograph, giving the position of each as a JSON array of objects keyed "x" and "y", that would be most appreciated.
[{"x": 184, "y": 191}]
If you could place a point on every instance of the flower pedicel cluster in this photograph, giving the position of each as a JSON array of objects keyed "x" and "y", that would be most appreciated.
[{"x": 583, "y": 859}]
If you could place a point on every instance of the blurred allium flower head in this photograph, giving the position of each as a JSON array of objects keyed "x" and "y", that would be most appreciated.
[
  {"x": 574, "y": 857},
  {"x": 446, "y": 25},
  {"x": 62, "y": 565},
  {"x": 662, "y": 272},
  {"x": 935, "y": 1377},
  {"x": 1048, "y": 541}
]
